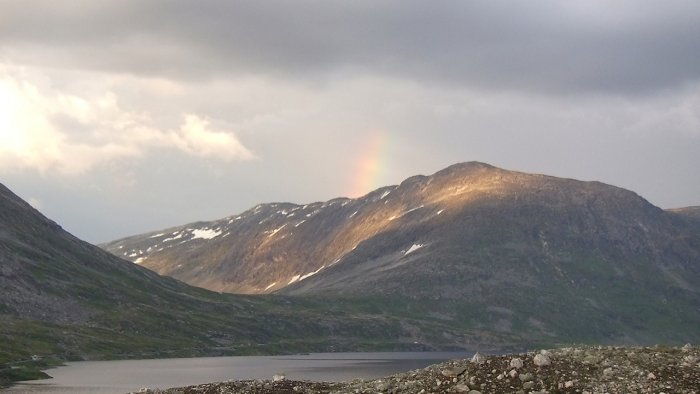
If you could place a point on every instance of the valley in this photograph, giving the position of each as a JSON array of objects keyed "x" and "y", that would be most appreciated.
[{"x": 470, "y": 257}]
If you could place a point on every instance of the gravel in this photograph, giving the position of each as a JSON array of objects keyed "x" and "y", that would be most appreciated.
[{"x": 589, "y": 370}]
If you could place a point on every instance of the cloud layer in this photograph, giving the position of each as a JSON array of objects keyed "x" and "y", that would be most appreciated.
[
  {"x": 49, "y": 130},
  {"x": 121, "y": 116},
  {"x": 548, "y": 46}
]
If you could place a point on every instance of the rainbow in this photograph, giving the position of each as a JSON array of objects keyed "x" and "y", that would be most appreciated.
[{"x": 371, "y": 164}]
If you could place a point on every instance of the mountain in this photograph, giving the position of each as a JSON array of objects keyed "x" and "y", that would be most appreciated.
[
  {"x": 66, "y": 299},
  {"x": 499, "y": 250},
  {"x": 471, "y": 210},
  {"x": 690, "y": 213}
]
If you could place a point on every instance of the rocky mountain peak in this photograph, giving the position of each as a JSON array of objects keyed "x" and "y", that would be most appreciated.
[{"x": 466, "y": 167}]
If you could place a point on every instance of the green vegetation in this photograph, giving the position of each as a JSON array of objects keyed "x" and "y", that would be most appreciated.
[
  {"x": 20, "y": 373},
  {"x": 28, "y": 369}
]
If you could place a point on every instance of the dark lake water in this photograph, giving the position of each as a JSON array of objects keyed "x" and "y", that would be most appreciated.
[{"x": 112, "y": 377}]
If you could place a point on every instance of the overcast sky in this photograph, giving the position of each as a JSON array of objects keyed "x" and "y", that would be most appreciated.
[{"x": 120, "y": 117}]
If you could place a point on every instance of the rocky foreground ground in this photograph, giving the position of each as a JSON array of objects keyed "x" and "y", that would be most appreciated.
[{"x": 567, "y": 370}]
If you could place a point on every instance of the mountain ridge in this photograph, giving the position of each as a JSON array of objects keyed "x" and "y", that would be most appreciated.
[
  {"x": 516, "y": 252},
  {"x": 344, "y": 240}
]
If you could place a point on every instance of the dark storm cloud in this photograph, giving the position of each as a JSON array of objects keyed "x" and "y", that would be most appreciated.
[{"x": 546, "y": 46}]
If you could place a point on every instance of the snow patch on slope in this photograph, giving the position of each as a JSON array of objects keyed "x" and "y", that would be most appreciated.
[
  {"x": 413, "y": 248},
  {"x": 405, "y": 213},
  {"x": 205, "y": 233},
  {"x": 311, "y": 273},
  {"x": 413, "y": 209},
  {"x": 275, "y": 231},
  {"x": 177, "y": 235}
]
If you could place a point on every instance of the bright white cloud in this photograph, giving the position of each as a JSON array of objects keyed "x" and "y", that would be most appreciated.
[
  {"x": 196, "y": 138},
  {"x": 46, "y": 129}
]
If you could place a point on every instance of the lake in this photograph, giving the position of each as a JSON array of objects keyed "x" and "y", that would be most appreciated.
[{"x": 119, "y": 377}]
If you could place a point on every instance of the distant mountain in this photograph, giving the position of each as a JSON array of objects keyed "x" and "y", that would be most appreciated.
[
  {"x": 692, "y": 213},
  {"x": 515, "y": 251},
  {"x": 425, "y": 221}
]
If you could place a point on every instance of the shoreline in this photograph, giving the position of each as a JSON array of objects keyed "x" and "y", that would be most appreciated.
[
  {"x": 28, "y": 371},
  {"x": 590, "y": 370}
]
